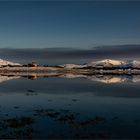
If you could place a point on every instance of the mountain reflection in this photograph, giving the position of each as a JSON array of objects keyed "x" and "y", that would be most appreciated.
[
  {"x": 4, "y": 78},
  {"x": 107, "y": 79},
  {"x": 57, "y": 83}
]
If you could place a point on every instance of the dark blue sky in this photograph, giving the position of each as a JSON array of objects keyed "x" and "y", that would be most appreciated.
[{"x": 80, "y": 24}]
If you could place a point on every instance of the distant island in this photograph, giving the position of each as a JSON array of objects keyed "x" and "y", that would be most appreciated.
[
  {"x": 104, "y": 71},
  {"x": 107, "y": 66}
]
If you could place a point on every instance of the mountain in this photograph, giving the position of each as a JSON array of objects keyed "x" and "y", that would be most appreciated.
[
  {"x": 136, "y": 64},
  {"x": 5, "y": 63},
  {"x": 96, "y": 64},
  {"x": 107, "y": 63},
  {"x": 114, "y": 63}
]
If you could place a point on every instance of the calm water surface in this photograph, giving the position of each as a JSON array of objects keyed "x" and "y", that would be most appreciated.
[{"x": 57, "y": 107}]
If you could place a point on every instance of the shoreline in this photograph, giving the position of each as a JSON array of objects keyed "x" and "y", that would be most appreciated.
[{"x": 50, "y": 69}]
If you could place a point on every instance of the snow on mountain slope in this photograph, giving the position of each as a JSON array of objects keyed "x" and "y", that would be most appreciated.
[
  {"x": 104, "y": 63},
  {"x": 107, "y": 62},
  {"x": 136, "y": 64},
  {"x": 5, "y": 62}
]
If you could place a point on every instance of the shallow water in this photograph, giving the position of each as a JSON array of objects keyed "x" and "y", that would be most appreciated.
[{"x": 57, "y": 107}]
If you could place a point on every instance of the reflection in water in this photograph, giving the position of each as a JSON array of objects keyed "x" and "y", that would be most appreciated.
[
  {"x": 4, "y": 78},
  {"x": 120, "y": 78},
  {"x": 67, "y": 105},
  {"x": 107, "y": 78}
]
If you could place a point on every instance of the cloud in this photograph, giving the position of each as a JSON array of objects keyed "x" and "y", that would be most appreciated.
[
  {"x": 100, "y": 52},
  {"x": 53, "y": 55}
]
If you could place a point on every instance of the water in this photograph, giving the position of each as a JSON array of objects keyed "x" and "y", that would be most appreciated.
[{"x": 57, "y": 107}]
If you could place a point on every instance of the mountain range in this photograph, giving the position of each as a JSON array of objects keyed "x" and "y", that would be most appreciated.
[
  {"x": 95, "y": 64},
  {"x": 107, "y": 63}
]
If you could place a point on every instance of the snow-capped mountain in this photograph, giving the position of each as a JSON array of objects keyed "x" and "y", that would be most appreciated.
[
  {"x": 115, "y": 63},
  {"x": 136, "y": 64},
  {"x": 109, "y": 63},
  {"x": 106, "y": 63},
  {"x": 5, "y": 63}
]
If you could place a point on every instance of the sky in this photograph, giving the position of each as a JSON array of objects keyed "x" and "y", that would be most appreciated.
[{"x": 68, "y": 24}]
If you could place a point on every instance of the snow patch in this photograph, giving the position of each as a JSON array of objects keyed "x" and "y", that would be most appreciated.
[{"x": 5, "y": 63}]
